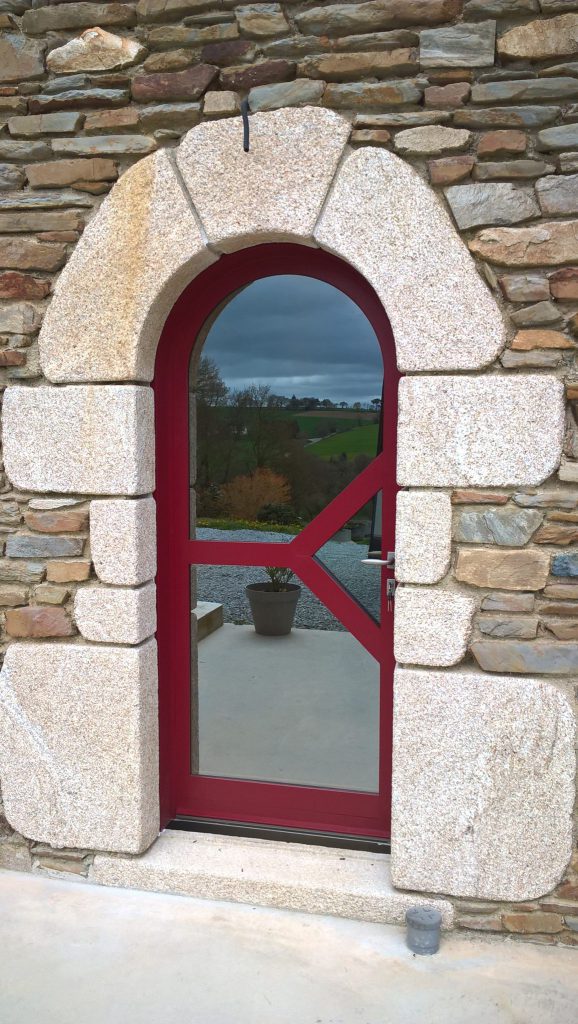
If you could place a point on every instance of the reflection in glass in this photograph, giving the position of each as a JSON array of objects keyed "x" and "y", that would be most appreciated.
[
  {"x": 283, "y": 416},
  {"x": 283, "y": 405},
  {"x": 300, "y": 709}
]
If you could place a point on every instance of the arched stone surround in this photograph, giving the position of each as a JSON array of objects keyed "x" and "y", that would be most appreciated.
[{"x": 469, "y": 784}]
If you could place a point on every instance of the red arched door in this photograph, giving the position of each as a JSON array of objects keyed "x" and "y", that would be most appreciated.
[{"x": 187, "y": 790}]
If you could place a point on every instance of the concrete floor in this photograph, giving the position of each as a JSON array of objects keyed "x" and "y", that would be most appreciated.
[
  {"x": 302, "y": 708},
  {"x": 73, "y": 953}
]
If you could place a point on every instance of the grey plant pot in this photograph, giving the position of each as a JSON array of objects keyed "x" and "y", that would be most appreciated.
[{"x": 273, "y": 611}]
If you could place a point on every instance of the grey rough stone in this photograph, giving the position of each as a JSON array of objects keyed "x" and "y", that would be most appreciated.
[
  {"x": 563, "y": 136},
  {"x": 531, "y": 89},
  {"x": 370, "y": 95},
  {"x": 94, "y": 786},
  {"x": 285, "y": 94},
  {"x": 536, "y": 359},
  {"x": 500, "y": 757},
  {"x": 558, "y": 194},
  {"x": 19, "y": 572},
  {"x": 11, "y": 177},
  {"x": 19, "y": 318},
  {"x": 498, "y": 203},
  {"x": 568, "y": 162},
  {"x": 525, "y": 287},
  {"x": 83, "y": 98},
  {"x": 20, "y": 58},
  {"x": 341, "y": 19},
  {"x": 177, "y": 116},
  {"x": 458, "y": 46},
  {"x": 506, "y": 527},
  {"x": 23, "y": 545},
  {"x": 499, "y": 8},
  {"x": 519, "y": 627},
  {"x": 500, "y": 601},
  {"x": 29, "y": 201},
  {"x": 566, "y": 564},
  {"x": 76, "y": 15},
  {"x": 547, "y": 657},
  {"x": 546, "y": 499},
  {"x": 104, "y": 145},
  {"x": 11, "y": 149},
  {"x": 66, "y": 83},
  {"x": 261, "y": 20},
  {"x": 541, "y": 313},
  {"x": 403, "y": 119},
  {"x": 45, "y": 124},
  {"x": 505, "y": 117}
]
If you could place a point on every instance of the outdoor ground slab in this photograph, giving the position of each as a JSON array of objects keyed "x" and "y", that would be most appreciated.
[{"x": 73, "y": 953}]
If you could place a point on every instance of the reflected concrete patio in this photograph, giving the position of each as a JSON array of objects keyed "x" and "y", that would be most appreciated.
[{"x": 302, "y": 708}]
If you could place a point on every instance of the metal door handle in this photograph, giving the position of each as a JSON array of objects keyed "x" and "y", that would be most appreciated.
[{"x": 374, "y": 559}]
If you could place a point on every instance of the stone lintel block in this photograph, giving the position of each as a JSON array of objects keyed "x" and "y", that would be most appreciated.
[
  {"x": 123, "y": 540},
  {"x": 79, "y": 744},
  {"x": 432, "y": 626},
  {"x": 385, "y": 220},
  {"x": 133, "y": 260},
  {"x": 479, "y": 431},
  {"x": 422, "y": 536},
  {"x": 274, "y": 192},
  {"x": 116, "y": 615},
  {"x": 483, "y": 784},
  {"x": 90, "y": 439}
]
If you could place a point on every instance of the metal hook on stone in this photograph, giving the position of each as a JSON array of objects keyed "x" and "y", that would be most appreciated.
[{"x": 245, "y": 116}]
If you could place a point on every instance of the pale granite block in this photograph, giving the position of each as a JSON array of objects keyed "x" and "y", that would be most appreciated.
[
  {"x": 431, "y": 626},
  {"x": 123, "y": 540},
  {"x": 423, "y": 536},
  {"x": 116, "y": 615}
]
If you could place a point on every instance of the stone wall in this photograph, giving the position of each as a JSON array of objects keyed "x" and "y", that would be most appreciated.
[{"x": 482, "y": 99}]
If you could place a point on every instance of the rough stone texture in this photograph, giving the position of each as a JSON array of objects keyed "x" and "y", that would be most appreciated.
[
  {"x": 109, "y": 145},
  {"x": 76, "y": 15},
  {"x": 95, "y": 50},
  {"x": 20, "y": 58},
  {"x": 262, "y": 20},
  {"x": 371, "y": 95},
  {"x": 30, "y": 545},
  {"x": 422, "y": 536},
  {"x": 221, "y": 104},
  {"x": 123, "y": 540},
  {"x": 285, "y": 94},
  {"x": 520, "y": 627},
  {"x": 431, "y": 140},
  {"x": 95, "y": 439},
  {"x": 339, "y": 67},
  {"x": 265, "y": 195},
  {"x": 138, "y": 253},
  {"x": 79, "y": 742},
  {"x": 558, "y": 194},
  {"x": 500, "y": 757},
  {"x": 509, "y": 570},
  {"x": 382, "y": 217},
  {"x": 564, "y": 283},
  {"x": 37, "y": 622},
  {"x": 506, "y": 527},
  {"x": 45, "y": 124},
  {"x": 503, "y": 602},
  {"x": 501, "y": 143},
  {"x": 544, "y": 656},
  {"x": 526, "y": 341},
  {"x": 554, "y": 242},
  {"x": 116, "y": 615},
  {"x": 527, "y": 89},
  {"x": 543, "y": 40},
  {"x": 565, "y": 565},
  {"x": 484, "y": 431},
  {"x": 561, "y": 137},
  {"x": 341, "y": 19},
  {"x": 431, "y": 627},
  {"x": 505, "y": 117},
  {"x": 179, "y": 85},
  {"x": 540, "y": 313},
  {"x": 70, "y": 172},
  {"x": 458, "y": 46},
  {"x": 450, "y": 169},
  {"x": 503, "y": 203}
]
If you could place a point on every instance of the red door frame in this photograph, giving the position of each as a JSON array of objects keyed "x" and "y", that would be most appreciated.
[{"x": 183, "y": 794}]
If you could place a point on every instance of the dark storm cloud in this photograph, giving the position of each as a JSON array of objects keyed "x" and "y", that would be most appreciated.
[{"x": 299, "y": 336}]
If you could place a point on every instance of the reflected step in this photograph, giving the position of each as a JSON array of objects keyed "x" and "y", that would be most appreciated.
[
  {"x": 291, "y": 876},
  {"x": 209, "y": 616}
]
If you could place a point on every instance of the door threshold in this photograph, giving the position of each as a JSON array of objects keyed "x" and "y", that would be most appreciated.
[
  {"x": 290, "y": 876},
  {"x": 278, "y": 833}
]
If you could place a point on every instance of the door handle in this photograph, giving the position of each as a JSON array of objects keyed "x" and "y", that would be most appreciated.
[{"x": 374, "y": 559}]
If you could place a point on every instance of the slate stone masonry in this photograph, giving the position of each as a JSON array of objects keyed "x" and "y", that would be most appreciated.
[{"x": 481, "y": 98}]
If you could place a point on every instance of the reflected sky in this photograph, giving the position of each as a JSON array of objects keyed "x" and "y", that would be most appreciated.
[{"x": 298, "y": 336}]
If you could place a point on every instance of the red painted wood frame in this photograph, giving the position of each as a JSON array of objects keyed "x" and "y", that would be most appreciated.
[{"x": 292, "y": 806}]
